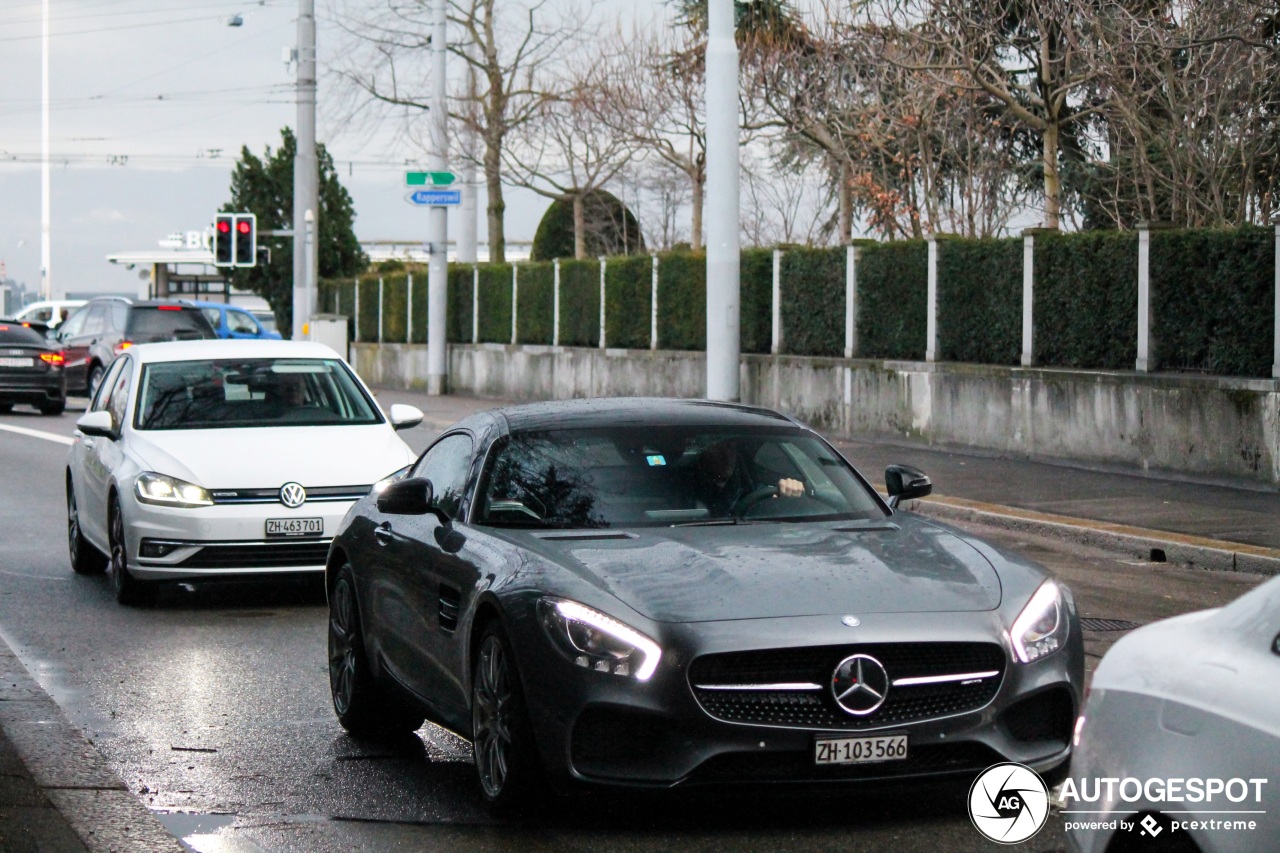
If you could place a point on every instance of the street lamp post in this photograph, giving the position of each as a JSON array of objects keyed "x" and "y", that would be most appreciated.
[
  {"x": 437, "y": 215},
  {"x": 46, "y": 280},
  {"x": 305, "y": 174},
  {"x": 723, "y": 305}
]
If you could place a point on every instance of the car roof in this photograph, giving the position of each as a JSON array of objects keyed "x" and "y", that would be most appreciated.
[
  {"x": 204, "y": 303},
  {"x": 637, "y": 411},
  {"x": 231, "y": 348}
]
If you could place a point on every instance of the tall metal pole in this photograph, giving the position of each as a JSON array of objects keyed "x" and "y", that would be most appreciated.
[
  {"x": 306, "y": 178},
  {"x": 438, "y": 216},
  {"x": 470, "y": 206},
  {"x": 723, "y": 304},
  {"x": 46, "y": 281}
]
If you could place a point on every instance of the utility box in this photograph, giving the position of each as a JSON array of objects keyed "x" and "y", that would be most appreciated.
[{"x": 330, "y": 330}]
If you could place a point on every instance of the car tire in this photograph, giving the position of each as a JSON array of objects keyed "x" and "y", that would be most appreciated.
[
  {"x": 502, "y": 743},
  {"x": 95, "y": 379},
  {"x": 364, "y": 709},
  {"x": 6, "y": 408},
  {"x": 53, "y": 407},
  {"x": 129, "y": 590},
  {"x": 85, "y": 559}
]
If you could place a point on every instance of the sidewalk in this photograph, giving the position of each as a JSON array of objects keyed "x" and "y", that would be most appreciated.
[{"x": 1209, "y": 525}]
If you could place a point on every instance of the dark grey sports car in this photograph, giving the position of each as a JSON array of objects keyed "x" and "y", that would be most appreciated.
[{"x": 663, "y": 592}]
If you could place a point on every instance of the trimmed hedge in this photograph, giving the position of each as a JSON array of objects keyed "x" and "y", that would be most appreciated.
[
  {"x": 756, "y": 294},
  {"x": 495, "y": 303},
  {"x": 367, "y": 321},
  {"x": 812, "y": 301},
  {"x": 395, "y": 307},
  {"x": 458, "y": 324},
  {"x": 1212, "y": 298},
  {"x": 682, "y": 301},
  {"x": 1086, "y": 300},
  {"x": 535, "y": 310},
  {"x": 628, "y": 301},
  {"x": 580, "y": 303},
  {"x": 980, "y": 301},
  {"x": 893, "y": 300}
]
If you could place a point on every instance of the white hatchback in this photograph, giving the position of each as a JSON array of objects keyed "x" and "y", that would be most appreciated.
[{"x": 207, "y": 458}]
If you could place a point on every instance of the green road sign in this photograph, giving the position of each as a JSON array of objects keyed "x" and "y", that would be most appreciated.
[{"x": 429, "y": 179}]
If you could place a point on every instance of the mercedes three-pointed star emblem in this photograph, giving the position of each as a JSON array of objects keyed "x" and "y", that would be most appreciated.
[{"x": 860, "y": 684}]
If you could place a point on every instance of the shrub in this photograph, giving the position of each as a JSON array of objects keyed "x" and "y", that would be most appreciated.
[
  {"x": 536, "y": 303},
  {"x": 580, "y": 303},
  {"x": 980, "y": 301},
  {"x": 756, "y": 296},
  {"x": 495, "y": 303},
  {"x": 812, "y": 303},
  {"x": 1086, "y": 299},
  {"x": 893, "y": 294},
  {"x": 682, "y": 301},
  {"x": 628, "y": 301}
]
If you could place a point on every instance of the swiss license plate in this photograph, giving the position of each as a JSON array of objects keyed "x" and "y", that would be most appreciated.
[
  {"x": 17, "y": 362},
  {"x": 295, "y": 526},
  {"x": 860, "y": 750}
]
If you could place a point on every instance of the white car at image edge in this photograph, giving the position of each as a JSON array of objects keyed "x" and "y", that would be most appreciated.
[{"x": 203, "y": 459}]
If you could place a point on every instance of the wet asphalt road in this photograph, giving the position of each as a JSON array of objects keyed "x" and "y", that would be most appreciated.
[{"x": 213, "y": 708}]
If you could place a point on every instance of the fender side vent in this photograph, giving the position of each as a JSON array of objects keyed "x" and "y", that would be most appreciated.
[{"x": 450, "y": 601}]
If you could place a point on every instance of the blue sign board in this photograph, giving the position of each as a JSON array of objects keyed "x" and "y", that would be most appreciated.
[{"x": 432, "y": 198}]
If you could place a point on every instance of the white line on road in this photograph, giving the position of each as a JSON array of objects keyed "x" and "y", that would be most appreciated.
[{"x": 35, "y": 433}]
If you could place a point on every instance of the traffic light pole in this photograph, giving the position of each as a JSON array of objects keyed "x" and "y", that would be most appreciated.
[
  {"x": 305, "y": 173},
  {"x": 438, "y": 216}
]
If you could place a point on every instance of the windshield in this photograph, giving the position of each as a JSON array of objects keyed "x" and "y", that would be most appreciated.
[
  {"x": 167, "y": 322},
  {"x": 668, "y": 475},
  {"x": 252, "y": 392}
]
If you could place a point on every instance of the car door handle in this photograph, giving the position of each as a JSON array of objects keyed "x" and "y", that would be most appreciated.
[{"x": 382, "y": 533}]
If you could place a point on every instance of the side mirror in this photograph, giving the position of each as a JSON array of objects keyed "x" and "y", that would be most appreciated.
[
  {"x": 99, "y": 423},
  {"x": 407, "y": 497},
  {"x": 404, "y": 417},
  {"x": 905, "y": 483}
]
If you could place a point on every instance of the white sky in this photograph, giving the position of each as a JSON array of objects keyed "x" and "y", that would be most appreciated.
[{"x": 151, "y": 101}]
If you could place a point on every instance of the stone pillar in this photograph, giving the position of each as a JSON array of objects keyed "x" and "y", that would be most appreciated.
[
  {"x": 602, "y": 269},
  {"x": 775, "y": 345},
  {"x": 653, "y": 308},
  {"x": 851, "y": 302},
  {"x": 379, "y": 309},
  {"x": 931, "y": 334},
  {"x": 1028, "y": 300},
  {"x": 408, "y": 309},
  {"x": 515, "y": 300},
  {"x": 555, "y": 302},
  {"x": 475, "y": 304},
  {"x": 1144, "y": 362}
]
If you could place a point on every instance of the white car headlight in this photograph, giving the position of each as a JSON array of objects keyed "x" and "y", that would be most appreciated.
[
  {"x": 160, "y": 489},
  {"x": 1041, "y": 627},
  {"x": 389, "y": 479},
  {"x": 598, "y": 642}
]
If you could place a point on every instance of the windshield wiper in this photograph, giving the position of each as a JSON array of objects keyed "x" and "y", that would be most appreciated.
[{"x": 713, "y": 522}]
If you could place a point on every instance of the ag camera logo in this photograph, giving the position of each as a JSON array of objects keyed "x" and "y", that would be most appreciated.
[{"x": 1008, "y": 803}]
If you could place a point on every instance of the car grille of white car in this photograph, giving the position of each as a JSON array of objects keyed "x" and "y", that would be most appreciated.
[
  {"x": 263, "y": 555},
  {"x": 789, "y": 687},
  {"x": 267, "y": 496}
]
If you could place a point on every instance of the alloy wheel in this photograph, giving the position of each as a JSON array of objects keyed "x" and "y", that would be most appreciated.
[
  {"x": 492, "y": 716},
  {"x": 342, "y": 648},
  {"x": 73, "y": 527}
]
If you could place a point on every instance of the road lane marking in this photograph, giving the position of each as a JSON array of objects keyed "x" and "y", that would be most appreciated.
[{"x": 35, "y": 433}]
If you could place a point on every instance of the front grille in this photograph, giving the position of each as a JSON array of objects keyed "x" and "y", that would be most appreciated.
[
  {"x": 283, "y": 555},
  {"x": 270, "y": 496},
  {"x": 815, "y": 707},
  {"x": 799, "y": 767}
]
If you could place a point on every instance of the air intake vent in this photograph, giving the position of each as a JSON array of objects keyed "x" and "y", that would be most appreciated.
[{"x": 450, "y": 600}]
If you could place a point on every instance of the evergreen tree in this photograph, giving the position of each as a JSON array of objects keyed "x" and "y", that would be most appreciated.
[{"x": 264, "y": 186}]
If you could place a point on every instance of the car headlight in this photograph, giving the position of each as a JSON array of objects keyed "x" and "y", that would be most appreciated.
[
  {"x": 1041, "y": 627},
  {"x": 159, "y": 489},
  {"x": 598, "y": 642},
  {"x": 389, "y": 479}
]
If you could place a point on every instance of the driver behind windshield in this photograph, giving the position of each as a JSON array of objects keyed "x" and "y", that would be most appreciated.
[{"x": 723, "y": 481}]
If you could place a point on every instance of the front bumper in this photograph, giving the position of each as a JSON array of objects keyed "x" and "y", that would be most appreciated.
[
  {"x": 169, "y": 543},
  {"x": 599, "y": 728}
]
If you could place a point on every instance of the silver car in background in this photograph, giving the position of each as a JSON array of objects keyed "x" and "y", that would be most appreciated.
[{"x": 1178, "y": 747}]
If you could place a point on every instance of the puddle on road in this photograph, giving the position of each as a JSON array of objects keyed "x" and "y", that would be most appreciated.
[{"x": 202, "y": 833}]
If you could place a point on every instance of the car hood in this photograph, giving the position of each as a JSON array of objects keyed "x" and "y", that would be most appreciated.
[
  {"x": 269, "y": 457},
  {"x": 751, "y": 571}
]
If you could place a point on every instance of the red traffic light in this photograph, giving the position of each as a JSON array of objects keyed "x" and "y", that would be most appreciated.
[
  {"x": 224, "y": 226},
  {"x": 243, "y": 226}
]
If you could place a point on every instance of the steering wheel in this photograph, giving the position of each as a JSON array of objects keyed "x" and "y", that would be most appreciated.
[{"x": 750, "y": 499}]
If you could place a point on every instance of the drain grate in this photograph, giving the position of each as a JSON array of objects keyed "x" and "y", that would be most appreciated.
[{"x": 1108, "y": 625}]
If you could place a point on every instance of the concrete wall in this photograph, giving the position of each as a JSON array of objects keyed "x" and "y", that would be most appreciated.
[{"x": 1213, "y": 426}]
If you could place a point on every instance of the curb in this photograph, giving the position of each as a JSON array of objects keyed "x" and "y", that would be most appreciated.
[
  {"x": 1192, "y": 551},
  {"x": 70, "y": 772}
]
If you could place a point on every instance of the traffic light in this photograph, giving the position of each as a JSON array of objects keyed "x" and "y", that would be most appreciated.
[
  {"x": 246, "y": 239},
  {"x": 223, "y": 243}
]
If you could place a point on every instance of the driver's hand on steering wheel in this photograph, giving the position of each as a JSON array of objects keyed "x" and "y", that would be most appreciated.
[{"x": 789, "y": 488}]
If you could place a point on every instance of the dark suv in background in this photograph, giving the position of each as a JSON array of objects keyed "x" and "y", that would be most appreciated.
[{"x": 107, "y": 326}]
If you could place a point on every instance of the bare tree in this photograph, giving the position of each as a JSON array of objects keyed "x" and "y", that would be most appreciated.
[
  {"x": 567, "y": 151},
  {"x": 512, "y": 46}
]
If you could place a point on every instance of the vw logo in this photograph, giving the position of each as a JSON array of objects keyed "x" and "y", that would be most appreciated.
[
  {"x": 292, "y": 495},
  {"x": 860, "y": 684},
  {"x": 850, "y": 621}
]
